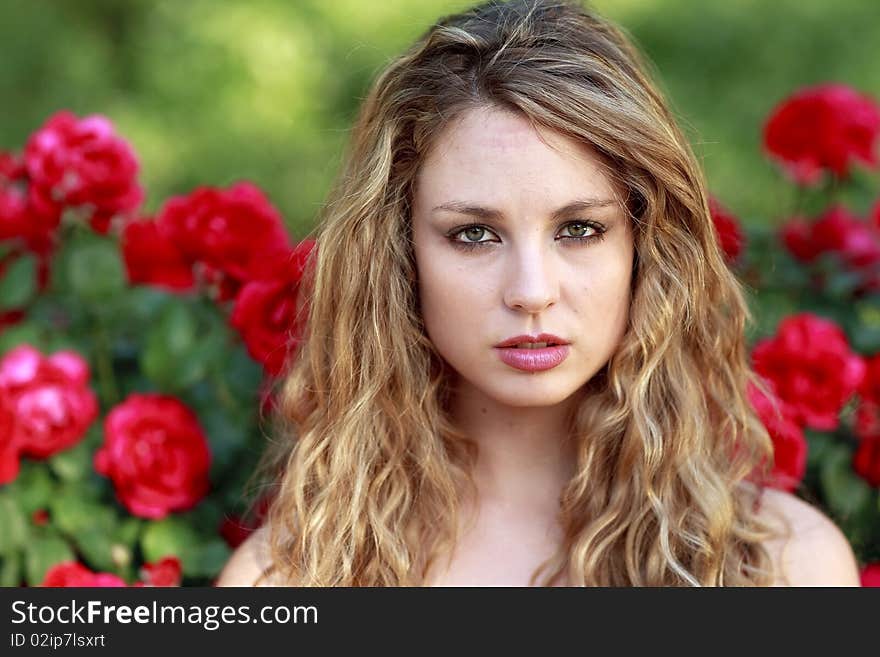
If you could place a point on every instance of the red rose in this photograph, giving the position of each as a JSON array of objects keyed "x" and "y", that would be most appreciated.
[
  {"x": 165, "y": 572},
  {"x": 797, "y": 236},
  {"x": 826, "y": 127},
  {"x": 871, "y": 574},
  {"x": 838, "y": 231},
  {"x": 265, "y": 311},
  {"x": 11, "y": 167},
  {"x": 866, "y": 460},
  {"x": 156, "y": 454},
  {"x": 728, "y": 229},
  {"x": 789, "y": 445},
  {"x": 14, "y": 218},
  {"x": 72, "y": 573},
  {"x": 151, "y": 257},
  {"x": 236, "y": 529},
  {"x": 867, "y": 419},
  {"x": 810, "y": 363},
  {"x": 19, "y": 218},
  {"x": 82, "y": 162},
  {"x": 231, "y": 232},
  {"x": 856, "y": 241},
  {"x": 49, "y": 398},
  {"x": 9, "y": 447}
]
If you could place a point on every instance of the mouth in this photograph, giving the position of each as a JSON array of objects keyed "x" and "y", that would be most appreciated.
[
  {"x": 542, "y": 341},
  {"x": 533, "y": 356}
]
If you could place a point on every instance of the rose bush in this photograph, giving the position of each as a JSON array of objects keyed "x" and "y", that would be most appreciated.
[
  {"x": 138, "y": 354},
  {"x": 130, "y": 399}
]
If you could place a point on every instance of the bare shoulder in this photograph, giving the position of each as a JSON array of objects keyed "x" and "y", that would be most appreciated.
[
  {"x": 248, "y": 562},
  {"x": 812, "y": 550}
]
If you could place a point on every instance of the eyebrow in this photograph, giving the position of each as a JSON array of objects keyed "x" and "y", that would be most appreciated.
[{"x": 462, "y": 207}]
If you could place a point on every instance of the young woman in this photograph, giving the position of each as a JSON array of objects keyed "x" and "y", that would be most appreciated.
[{"x": 524, "y": 358}]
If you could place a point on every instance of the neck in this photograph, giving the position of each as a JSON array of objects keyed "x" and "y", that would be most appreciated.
[{"x": 526, "y": 455}]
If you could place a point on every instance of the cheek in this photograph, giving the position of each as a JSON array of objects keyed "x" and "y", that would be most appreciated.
[
  {"x": 453, "y": 300},
  {"x": 601, "y": 299}
]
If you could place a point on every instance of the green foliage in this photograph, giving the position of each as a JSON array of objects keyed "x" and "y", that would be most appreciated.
[
  {"x": 275, "y": 84},
  {"x": 45, "y": 549},
  {"x": 18, "y": 283},
  {"x": 176, "y": 536},
  {"x": 137, "y": 340}
]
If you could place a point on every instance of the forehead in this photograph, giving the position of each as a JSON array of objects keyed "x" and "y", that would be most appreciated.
[{"x": 494, "y": 155}]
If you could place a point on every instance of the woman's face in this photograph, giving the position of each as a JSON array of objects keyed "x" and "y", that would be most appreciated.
[{"x": 496, "y": 214}]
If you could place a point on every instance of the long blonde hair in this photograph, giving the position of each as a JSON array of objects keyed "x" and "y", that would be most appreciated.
[{"x": 367, "y": 468}]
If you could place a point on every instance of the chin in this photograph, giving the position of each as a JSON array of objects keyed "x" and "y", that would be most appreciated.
[{"x": 529, "y": 393}]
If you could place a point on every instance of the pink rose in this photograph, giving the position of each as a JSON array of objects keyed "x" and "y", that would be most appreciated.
[
  {"x": 75, "y": 162},
  {"x": 810, "y": 363},
  {"x": 156, "y": 454},
  {"x": 49, "y": 399}
]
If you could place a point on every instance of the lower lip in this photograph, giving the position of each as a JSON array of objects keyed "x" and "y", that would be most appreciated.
[{"x": 534, "y": 360}]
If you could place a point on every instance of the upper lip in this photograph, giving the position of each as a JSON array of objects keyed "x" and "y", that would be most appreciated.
[{"x": 543, "y": 337}]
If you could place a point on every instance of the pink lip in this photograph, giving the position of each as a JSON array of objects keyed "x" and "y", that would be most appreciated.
[
  {"x": 543, "y": 337},
  {"x": 534, "y": 360}
]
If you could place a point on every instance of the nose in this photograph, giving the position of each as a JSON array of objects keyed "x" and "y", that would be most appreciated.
[{"x": 532, "y": 283}]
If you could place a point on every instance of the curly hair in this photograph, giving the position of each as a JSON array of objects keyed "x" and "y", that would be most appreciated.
[{"x": 368, "y": 470}]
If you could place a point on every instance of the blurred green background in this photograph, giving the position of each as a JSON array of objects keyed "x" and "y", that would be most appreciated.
[{"x": 211, "y": 92}]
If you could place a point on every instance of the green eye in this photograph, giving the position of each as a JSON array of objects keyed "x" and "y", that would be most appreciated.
[
  {"x": 470, "y": 232},
  {"x": 577, "y": 229}
]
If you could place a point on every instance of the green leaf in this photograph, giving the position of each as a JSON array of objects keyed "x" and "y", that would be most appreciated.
[
  {"x": 847, "y": 494},
  {"x": 102, "y": 552},
  {"x": 75, "y": 463},
  {"x": 819, "y": 446},
  {"x": 242, "y": 374},
  {"x": 841, "y": 283},
  {"x": 209, "y": 559},
  {"x": 13, "y": 525},
  {"x": 175, "y": 354},
  {"x": 176, "y": 536},
  {"x": 44, "y": 551},
  {"x": 171, "y": 536},
  {"x": 94, "y": 268},
  {"x": 128, "y": 531},
  {"x": 10, "y": 569},
  {"x": 144, "y": 303},
  {"x": 75, "y": 514},
  {"x": 18, "y": 284},
  {"x": 33, "y": 487},
  {"x": 22, "y": 333},
  {"x": 227, "y": 436}
]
